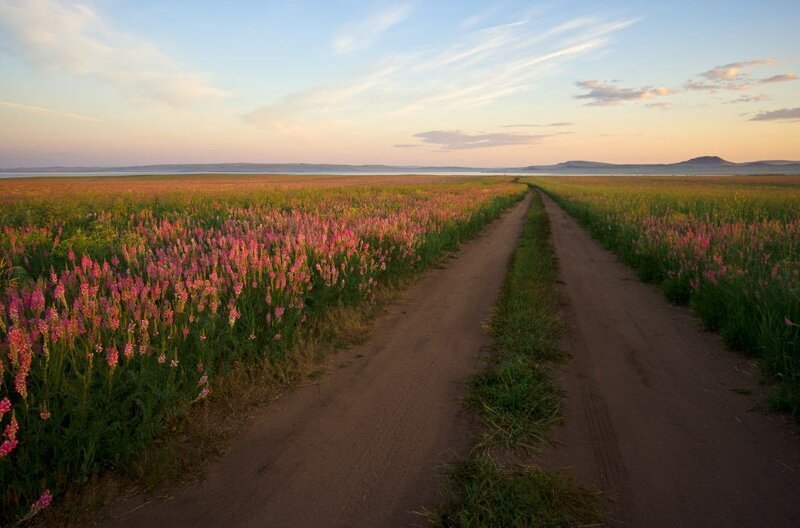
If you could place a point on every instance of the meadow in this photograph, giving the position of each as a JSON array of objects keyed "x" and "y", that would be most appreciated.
[
  {"x": 124, "y": 300},
  {"x": 728, "y": 246}
]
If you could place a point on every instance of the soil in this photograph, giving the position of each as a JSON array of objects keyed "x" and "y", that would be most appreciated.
[
  {"x": 365, "y": 443},
  {"x": 659, "y": 416}
]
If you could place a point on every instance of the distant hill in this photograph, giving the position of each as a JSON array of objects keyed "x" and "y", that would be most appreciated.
[
  {"x": 701, "y": 165},
  {"x": 581, "y": 164},
  {"x": 709, "y": 165},
  {"x": 707, "y": 160}
]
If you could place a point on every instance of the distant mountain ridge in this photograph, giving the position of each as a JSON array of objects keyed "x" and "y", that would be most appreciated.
[
  {"x": 708, "y": 165},
  {"x": 700, "y": 165}
]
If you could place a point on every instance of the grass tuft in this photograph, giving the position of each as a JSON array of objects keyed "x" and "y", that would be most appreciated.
[{"x": 486, "y": 494}]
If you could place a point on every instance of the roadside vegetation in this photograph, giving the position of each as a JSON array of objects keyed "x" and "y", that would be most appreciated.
[
  {"x": 518, "y": 401},
  {"x": 127, "y": 315},
  {"x": 727, "y": 246}
]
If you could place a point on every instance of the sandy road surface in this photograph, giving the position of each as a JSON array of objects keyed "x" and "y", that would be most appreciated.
[
  {"x": 363, "y": 446},
  {"x": 650, "y": 415}
]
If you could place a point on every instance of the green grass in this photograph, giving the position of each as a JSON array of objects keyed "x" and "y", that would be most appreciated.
[
  {"x": 515, "y": 393},
  {"x": 519, "y": 403},
  {"x": 486, "y": 494}
]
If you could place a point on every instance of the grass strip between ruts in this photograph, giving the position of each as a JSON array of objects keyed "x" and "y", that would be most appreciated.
[{"x": 519, "y": 403}]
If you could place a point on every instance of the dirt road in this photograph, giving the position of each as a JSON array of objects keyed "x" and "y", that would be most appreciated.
[
  {"x": 364, "y": 445},
  {"x": 652, "y": 418}
]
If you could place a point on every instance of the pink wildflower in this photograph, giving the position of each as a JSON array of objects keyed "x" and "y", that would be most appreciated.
[
  {"x": 162, "y": 359},
  {"x": 20, "y": 384},
  {"x": 59, "y": 292},
  {"x": 45, "y": 499},
  {"x": 7, "y": 447},
  {"x": 233, "y": 315},
  {"x": 112, "y": 356},
  {"x": 10, "y": 432}
]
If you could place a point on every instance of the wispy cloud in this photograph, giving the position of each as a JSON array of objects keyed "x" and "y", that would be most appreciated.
[
  {"x": 407, "y": 145},
  {"x": 735, "y": 76},
  {"x": 73, "y": 38},
  {"x": 733, "y": 71},
  {"x": 478, "y": 68},
  {"x": 749, "y": 99},
  {"x": 558, "y": 124},
  {"x": 610, "y": 93},
  {"x": 477, "y": 18},
  {"x": 780, "y": 78},
  {"x": 47, "y": 111},
  {"x": 458, "y": 140},
  {"x": 784, "y": 114},
  {"x": 364, "y": 33}
]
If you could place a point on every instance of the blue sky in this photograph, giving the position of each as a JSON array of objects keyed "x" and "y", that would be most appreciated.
[{"x": 403, "y": 82}]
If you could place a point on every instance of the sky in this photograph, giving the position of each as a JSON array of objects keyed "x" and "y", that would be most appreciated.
[{"x": 492, "y": 84}]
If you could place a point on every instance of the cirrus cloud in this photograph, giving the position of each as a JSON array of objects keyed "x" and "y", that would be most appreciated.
[
  {"x": 477, "y": 68},
  {"x": 363, "y": 33},
  {"x": 48, "y": 111},
  {"x": 74, "y": 39}
]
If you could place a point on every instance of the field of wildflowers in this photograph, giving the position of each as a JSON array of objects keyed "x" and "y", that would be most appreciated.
[
  {"x": 729, "y": 246},
  {"x": 121, "y": 299}
]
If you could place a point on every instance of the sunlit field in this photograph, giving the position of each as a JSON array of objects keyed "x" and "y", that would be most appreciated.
[
  {"x": 122, "y": 299},
  {"x": 730, "y": 247}
]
